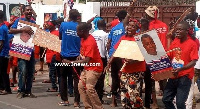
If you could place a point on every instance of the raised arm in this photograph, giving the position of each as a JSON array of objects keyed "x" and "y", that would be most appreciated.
[{"x": 129, "y": 14}]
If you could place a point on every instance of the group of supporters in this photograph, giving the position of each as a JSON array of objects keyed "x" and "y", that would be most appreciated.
[{"x": 82, "y": 44}]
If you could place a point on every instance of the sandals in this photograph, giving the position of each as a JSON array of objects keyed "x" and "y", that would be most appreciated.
[
  {"x": 52, "y": 90},
  {"x": 62, "y": 103},
  {"x": 77, "y": 105}
]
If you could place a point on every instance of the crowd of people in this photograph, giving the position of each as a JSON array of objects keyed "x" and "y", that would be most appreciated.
[{"x": 82, "y": 44}]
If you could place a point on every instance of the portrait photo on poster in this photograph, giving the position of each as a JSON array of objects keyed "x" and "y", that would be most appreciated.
[
  {"x": 150, "y": 46},
  {"x": 50, "y": 16}
]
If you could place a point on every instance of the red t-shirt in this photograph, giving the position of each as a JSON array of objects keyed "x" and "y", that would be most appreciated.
[
  {"x": 50, "y": 53},
  {"x": 7, "y": 23},
  {"x": 189, "y": 52},
  {"x": 134, "y": 67},
  {"x": 114, "y": 22},
  {"x": 196, "y": 41},
  {"x": 161, "y": 29},
  {"x": 89, "y": 49}
]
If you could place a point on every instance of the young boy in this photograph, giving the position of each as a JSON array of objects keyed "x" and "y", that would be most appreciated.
[{"x": 180, "y": 85}]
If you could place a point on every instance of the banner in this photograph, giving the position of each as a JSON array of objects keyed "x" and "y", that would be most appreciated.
[
  {"x": 47, "y": 40},
  {"x": 22, "y": 45},
  {"x": 154, "y": 55}
]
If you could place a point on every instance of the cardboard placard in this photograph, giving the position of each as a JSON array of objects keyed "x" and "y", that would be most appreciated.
[
  {"x": 129, "y": 50},
  {"x": 47, "y": 40},
  {"x": 22, "y": 45},
  {"x": 154, "y": 55}
]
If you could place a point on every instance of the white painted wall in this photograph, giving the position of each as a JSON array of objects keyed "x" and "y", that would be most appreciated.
[
  {"x": 8, "y": 2},
  {"x": 198, "y": 7},
  {"x": 13, "y": 1},
  {"x": 87, "y": 10}
]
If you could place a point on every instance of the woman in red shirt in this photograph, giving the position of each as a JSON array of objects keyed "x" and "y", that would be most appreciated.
[{"x": 132, "y": 73}]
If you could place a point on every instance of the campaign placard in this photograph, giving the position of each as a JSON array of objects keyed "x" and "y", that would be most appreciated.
[
  {"x": 154, "y": 55},
  {"x": 22, "y": 45}
]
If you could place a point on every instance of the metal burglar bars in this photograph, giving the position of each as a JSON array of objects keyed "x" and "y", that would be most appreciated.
[{"x": 168, "y": 9}]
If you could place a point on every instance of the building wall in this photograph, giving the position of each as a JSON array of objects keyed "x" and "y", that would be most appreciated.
[
  {"x": 50, "y": 2},
  {"x": 87, "y": 10}
]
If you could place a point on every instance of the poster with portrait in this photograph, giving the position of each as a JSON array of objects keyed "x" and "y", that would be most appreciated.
[
  {"x": 22, "y": 45},
  {"x": 154, "y": 55},
  {"x": 50, "y": 16}
]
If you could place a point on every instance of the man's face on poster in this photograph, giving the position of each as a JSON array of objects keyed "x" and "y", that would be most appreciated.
[{"x": 149, "y": 45}]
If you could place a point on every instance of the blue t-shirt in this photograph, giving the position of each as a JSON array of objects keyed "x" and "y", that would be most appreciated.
[
  {"x": 70, "y": 45},
  {"x": 115, "y": 34},
  {"x": 24, "y": 19},
  {"x": 4, "y": 37}
]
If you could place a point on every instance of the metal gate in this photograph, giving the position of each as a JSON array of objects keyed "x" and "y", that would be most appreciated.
[{"x": 167, "y": 11}]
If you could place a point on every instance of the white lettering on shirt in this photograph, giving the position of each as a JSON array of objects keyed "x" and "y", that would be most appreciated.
[
  {"x": 161, "y": 30},
  {"x": 117, "y": 32},
  {"x": 71, "y": 33}
]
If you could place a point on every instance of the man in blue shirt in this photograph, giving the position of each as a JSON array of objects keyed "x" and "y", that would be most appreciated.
[
  {"x": 115, "y": 34},
  {"x": 70, "y": 50},
  {"x": 26, "y": 68},
  {"x": 4, "y": 50}
]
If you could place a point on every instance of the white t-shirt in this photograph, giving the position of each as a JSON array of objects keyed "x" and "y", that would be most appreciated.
[
  {"x": 101, "y": 38},
  {"x": 197, "y": 66}
]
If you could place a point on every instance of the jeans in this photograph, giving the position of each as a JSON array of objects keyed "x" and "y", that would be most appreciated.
[
  {"x": 26, "y": 72},
  {"x": 180, "y": 88},
  {"x": 53, "y": 71},
  {"x": 4, "y": 77}
]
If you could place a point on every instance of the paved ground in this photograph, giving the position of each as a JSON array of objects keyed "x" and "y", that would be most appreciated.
[{"x": 49, "y": 100}]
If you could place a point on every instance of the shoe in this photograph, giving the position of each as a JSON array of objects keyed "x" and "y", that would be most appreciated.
[
  {"x": 71, "y": 95},
  {"x": 15, "y": 88},
  {"x": 62, "y": 103},
  {"x": 52, "y": 90},
  {"x": 12, "y": 85},
  {"x": 31, "y": 95},
  {"x": 77, "y": 105},
  {"x": 3, "y": 92},
  {"x": 20, "y": 95},
  {"x": 46, "y": 81},
  {"x": 109, "y": 96}
]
